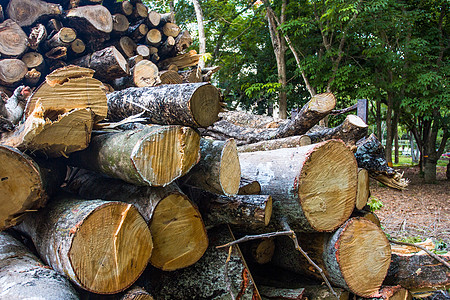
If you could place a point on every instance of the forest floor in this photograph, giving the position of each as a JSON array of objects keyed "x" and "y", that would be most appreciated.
[{"x": 421, "y": 211}]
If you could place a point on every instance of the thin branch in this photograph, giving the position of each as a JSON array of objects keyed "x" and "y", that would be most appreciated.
[
  {"x": 433, "y": 255},
  {"x": 337, "y": 112},
  {"x": 255, "y": 237},
  {"x": 227, "y": 280}
]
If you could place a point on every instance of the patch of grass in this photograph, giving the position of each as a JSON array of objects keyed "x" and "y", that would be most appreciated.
[
  {"x": 406, "y": 161},
  {"x": 412, "y": 239}
]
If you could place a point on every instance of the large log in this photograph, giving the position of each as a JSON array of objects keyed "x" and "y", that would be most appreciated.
[
  {"x": 91, "y": 19},
  {"x": 108, "y": 64},
  {"x": 26, "y": 12},
  {"x": 12, "y": 72},
  {"x": 249, "y": 187},
  {"x": 23, "y": 276},
  {"x": 189, "y": 59},
  {"x": 194, "y": 104},
  {"x": 13, "y": 40},
  {"x": 23, "y": 185},
  {"x": 313, "y": 187},
  {"x": 212, "y": 277},
  {"x": 310, "y": 114},
  {"x": 218, "y": 170},
  {"x": 69, "y": 88},
  {"x": 151, "y": 155},
  {"x": 63, "y": 37},
  {"x": 356, "y": 257},
  {"x": 370, "y": 155},
  {"x": 101, "y": 246},
  {"x": 178, "y": 232}
]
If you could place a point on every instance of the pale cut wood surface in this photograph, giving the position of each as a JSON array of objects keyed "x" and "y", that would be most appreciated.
[
  {"x": 13, "y": 39},
  {"x": 363, "y": 193}
]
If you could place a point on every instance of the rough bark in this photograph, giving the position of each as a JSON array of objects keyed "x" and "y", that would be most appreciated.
[
  {"x": 32, "y": 78},
  {"x": 63, "y": 37},
  {"x": 13, "y": 40},
  {"x": 192, "y": 75},
  {"x": 108, "y": 64},
  {"x": 165, "y": 49},
  {"x": 245, "y": 212},
  {"x": 218, "y": 170},
  {"x": 356, "y": 257},
  {"x": 138, "y": 31},
  {"x": 209, "y": 278},
  {"x": 313, "y": 187},
  {"x": 249, "y": 187},
  {"x": 287, "y": 142},
  {"x": 37, "y": 35},
  {"x": 86, "y": 232},
  {"x": 23, "y": 276},
  {"x": 370, "y": 156},
  {"x": 178, "y": 233},
  {"x": 363, "y": 192},
  {"x": 194, "y": 104},
  {"x": 318, "y": 107},
  {"x": 247, "y": 119},
  {"x": 152, "y": 155},
  {"x": 57, "y": 53},
  {"x": 350, "y": 131},
  {"x": 12, "y": 72},
  {"x": 122, "y": 7},
  {"x": 418, "y": 271},
  {"x": 270, "y": 292},
  {"x": 26, "y": 12},
  {"x": 183, "y": 41}
]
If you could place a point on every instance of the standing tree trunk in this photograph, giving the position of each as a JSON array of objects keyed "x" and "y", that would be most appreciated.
[
  {"x": 201, "y": 31},
  {"x": 389, "y": 126}
]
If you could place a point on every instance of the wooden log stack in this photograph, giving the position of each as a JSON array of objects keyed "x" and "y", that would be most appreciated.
[{"x": 111, "y": 176}]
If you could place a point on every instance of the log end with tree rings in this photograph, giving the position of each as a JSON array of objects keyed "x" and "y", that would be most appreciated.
[
  {"x": 166, "y": 155},
  {"x": 21, "y": 186},
  {"x": 327, "y": 185},
  {"x": 179, "y": 234},
  {"x": 322, "y": 102},
  {"x": 230, "y": 170},
  {"x": 112, "y": 265},
  {"x": 363, "y": 192},
  {"x": 12, "y": 71},
  {"x": 363, "y": 254},
  {"x": 205, "y": 105}
]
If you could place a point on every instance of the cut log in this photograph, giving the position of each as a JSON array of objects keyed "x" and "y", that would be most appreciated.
[
  {"x": 287, "y": 142},
  {"x": 171, "y": 29},
  {"x": 23, "y": 276},
  {"x": 70, "y": 88},
  {"x": 417, "y": 271},
  {"x": 120, "y": 23},
  {"x": 259, "y": 251},
  {"x": 12, "y": 72},
  {"x": 189, "y": 59},
  {"x": 53, "y": 26},
  {"x": 218, "y": 170},
  {"x": 77, "y": 46},
  {"x": 193, "y": 104},
  {"x": 245, "y": 212},
  {"x": 140, "y": 11},
  {"x": 13, "y": 40},
  {"x": 350, "y": 131},
  {"x": 63, "y": 37},
  {"x": 311, "y": 113},
  {"x": 145, "y": 73},
  {"x": 209, "y": 278},
  {"x": 154, "y": 18},
  {"x": 123, "y": 7},
  {"x": 138, "y": 293},
  {"x": 32, "y": 78},
  {"x": 370, "y": 155},
  {"x": 166, "y": 47},
  {"x": 90, "y": 19},
  {"x": 153, "y": 37},
  {"x": 192, "y": 75},
  {"x": 170, "y": 77},
  {"x": 52, "y": 133},
  {"x": 247, "y": 119},
  {"x": 26, "y": 12},
  {"x": 372, "y": 217},
  {"x": 138, "y": 31},
  {"x": 102, "y": 246},
  {"x": 37, "y": 35},
  {"x": 313, "y": 187},
  {"x": 143, "y": 50},
  {"x": 132, "y": 61},
  {"x": 108, "y": 64},
  {"x": 249, "y": 187},
  {"x": 167, "y": 18},
  {"x": 127, "y": 46},
  {"x": 363, "y": 192},
  {"x": 151, "y": 155},
  {"x": 183, "y": 41},
  {"x": 57, "y": 53},
  {"x": 34, "y": 60},
  {"x": 356, "y": 257},
  {"x": 178, "y": 233}
]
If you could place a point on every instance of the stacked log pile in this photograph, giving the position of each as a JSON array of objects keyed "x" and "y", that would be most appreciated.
[{"x": 111, "y": 177}]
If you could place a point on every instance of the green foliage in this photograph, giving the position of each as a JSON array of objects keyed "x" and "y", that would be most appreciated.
[
  {"x": 374, "y": 203},
  {"x": 412, "y": 239}
]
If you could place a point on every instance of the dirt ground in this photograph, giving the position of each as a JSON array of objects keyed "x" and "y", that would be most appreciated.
[{"x": 420, "y": 211}]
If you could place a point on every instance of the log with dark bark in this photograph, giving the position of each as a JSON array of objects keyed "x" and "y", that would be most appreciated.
[
  {"x": 122, "y": 7},
  {"x": 151, "y": 155},
  {"x": 192, "y": 75},
  {"x": 269, "y": 292},
  {"x": 350, "y": 131},
  {"x": 363, "y": 192},
  {"x": 108, "y": 64},
  {"x": 23, "y": 275},
  {"x": 37, "y": 35},
  {"x": 140, "y": 11},
  {"x": 183, "y": 41},
  {"x": 93, "y": 20},
  {"x": 178, "y": 233},
  {"x": 313, "y": 187},
  {"x": 355, "y": 257},
  {"x": 193, "y": 104},
  {"x": 126, "y": 46},
  {"x": 259, "y": 251},
  {"x": 417, "y": 271},
  {"x": 138, "y": 31},
  {"x": 213, "y": 277},
  {"x": 12, "y": 72},
  {"x": 249, "y": 187},
  {"x": 13, "y": 40},
  {"x": 370, "y": 155},
  {"x": 317, "y": 108},
  {"x": 218, "y": 170},
  {"x": 57, "y": 53},
  {"x": 245, "y": 212},
  {"x": 26, "y": 12},
  {"x": 32, "y": 77},
  {"x": 103, "y": 246},
  {"x": 63, "y": 37},
  {"x": 23, "y": 184}
]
